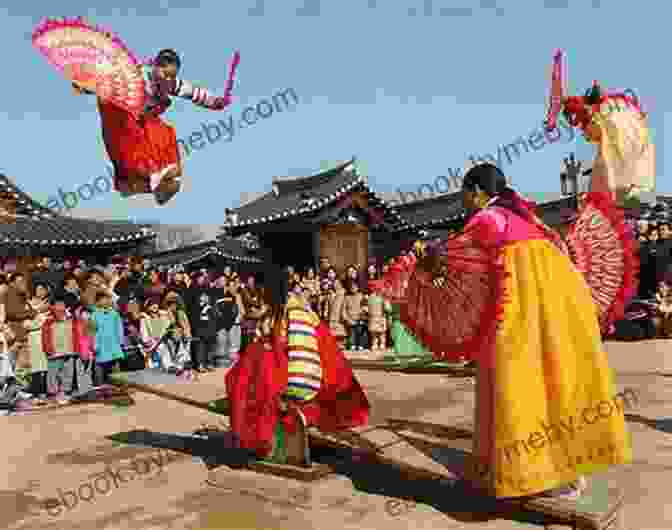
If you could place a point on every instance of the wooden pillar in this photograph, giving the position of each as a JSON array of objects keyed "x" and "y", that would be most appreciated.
[{"x": 25, "y": 265}]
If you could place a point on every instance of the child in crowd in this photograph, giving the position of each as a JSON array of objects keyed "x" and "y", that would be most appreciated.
[
  {"x": 87, "y": 339},
  {"x": 68, "y": 359},
  {"x": 354, "y": 315},
  {"x": 378, "y": 309},
  {"x": 109, "y": 336}
]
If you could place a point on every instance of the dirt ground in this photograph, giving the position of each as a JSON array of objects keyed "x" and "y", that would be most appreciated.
[{"x": 110, "y": 468}]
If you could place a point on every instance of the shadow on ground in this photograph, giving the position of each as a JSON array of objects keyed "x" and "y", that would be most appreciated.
[{"x": 216, "y": 448}]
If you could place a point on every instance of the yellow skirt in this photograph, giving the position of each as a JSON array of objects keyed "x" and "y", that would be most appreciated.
[{"x": 547, "y": 410}]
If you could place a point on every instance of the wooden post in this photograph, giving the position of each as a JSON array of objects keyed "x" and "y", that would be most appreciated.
[{"x": 26, "y": 265}]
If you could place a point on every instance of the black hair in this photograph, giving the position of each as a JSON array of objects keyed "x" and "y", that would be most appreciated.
[
  {"x": 491, "y": 180},
  {"x": 15, "y": 276},
  {"x": 167, "y": 57},
  {"x": 593, "y": 95},
  {"x": 58, "y": 298},
  {"x": 488, "y": 177},
  {"x": 40, "y": 283}
]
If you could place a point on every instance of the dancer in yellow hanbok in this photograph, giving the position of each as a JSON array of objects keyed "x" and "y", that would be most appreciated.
[{"x": 505, "y": 294}]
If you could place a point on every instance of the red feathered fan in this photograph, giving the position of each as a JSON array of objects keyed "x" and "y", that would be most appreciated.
[
  {"x": 603, "y": 248},
  {"x": 456, "y": 319}
]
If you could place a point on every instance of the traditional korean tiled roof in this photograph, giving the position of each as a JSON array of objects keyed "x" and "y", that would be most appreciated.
[
  {"x": 433, "y": 211},
  {"x": 659, "y": 209},
  {"x": 234, "y": 250},
  {"x": 306, "y": 196},
  {"x": 37, "y": 225},
  {"x": 228, "y": 249},
  {"x": 555, "y": 212}
]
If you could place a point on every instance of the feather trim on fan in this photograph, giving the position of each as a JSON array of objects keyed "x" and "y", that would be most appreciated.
[
  {"x": 459, "y": 319},
  {"x": 394, "y": 283},
  {"x": 94, "y": 59},
  {"x": 603, "y": 249},
  {"x": 557, "y": 94}
]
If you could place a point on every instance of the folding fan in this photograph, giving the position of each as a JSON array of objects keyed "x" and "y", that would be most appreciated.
[
  {"x": 93, "y": 59},
  {"x": 602, "y": 247},
  {"x": 457, "y": 319}
]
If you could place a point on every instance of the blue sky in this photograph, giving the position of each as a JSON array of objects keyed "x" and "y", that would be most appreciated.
[{"x": 409, "y": 94}]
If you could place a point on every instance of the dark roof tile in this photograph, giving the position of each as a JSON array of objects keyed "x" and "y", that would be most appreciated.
[
  {"x": 36, "y": 225},
  {"x": 437, "y": 210},
  {"x": 229, "y": 249},
  {"x": 305, "y": 196}
]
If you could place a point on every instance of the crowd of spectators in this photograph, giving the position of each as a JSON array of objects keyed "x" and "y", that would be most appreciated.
[{"x": 66, "y": 326}]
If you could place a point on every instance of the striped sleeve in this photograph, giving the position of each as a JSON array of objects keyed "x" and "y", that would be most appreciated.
[
  {"x": 199, "y": 96},
  {"x": 304, "y": 366}
]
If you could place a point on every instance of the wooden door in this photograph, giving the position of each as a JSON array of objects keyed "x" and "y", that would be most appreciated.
[{"x": 345, "y": 245}]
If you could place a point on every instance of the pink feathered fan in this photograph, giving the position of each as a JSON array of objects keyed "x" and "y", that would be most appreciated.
[
  {"x": 557, "y": 94},
  {"x": 93, "y": 59},
  {"x": 603, "y": 249}
]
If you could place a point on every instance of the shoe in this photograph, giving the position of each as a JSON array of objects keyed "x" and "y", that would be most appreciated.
[
  {"x": 201, "y": 370},
  {"x": 162, "y": 197},
  {"x": 23, "y": 395},
  {"x": 570, "y": 492}
]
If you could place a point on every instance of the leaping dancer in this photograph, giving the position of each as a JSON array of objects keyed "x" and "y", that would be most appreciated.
[
  {"x": 624, "y": 164},
  {"x": 131, "y": 97}
]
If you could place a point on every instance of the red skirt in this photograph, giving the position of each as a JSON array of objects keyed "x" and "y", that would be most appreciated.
[
  {"x": 256, "y": 383},
  {"x": 253, "y": 387},
  {"x": 137, "y": 148}
]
